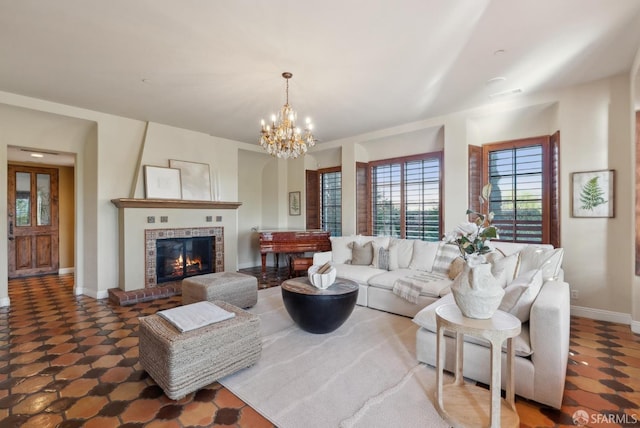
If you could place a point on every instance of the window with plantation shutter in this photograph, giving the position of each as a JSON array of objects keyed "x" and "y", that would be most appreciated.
[
  {"x": 524, "y": 178},
  {"x": 331, "y": 200},
  {"x": 406, "y": 197}
]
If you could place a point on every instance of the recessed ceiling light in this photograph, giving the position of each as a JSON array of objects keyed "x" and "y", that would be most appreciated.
[
  {"x": 500, "y": 52},
  {"x": 506, "y": 93},
  {"x": 37, "y": 155}
]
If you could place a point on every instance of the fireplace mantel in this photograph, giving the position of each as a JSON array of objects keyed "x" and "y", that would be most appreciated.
[{"x": 174, "y": 203}]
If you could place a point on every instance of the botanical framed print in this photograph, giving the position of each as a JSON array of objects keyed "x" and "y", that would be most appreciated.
[
  {"x": 195, "y": 178},
  {"x": 162, "y": 183},
  {"x": 593, "y": 194},
  {"x": 294, "y": 203}
]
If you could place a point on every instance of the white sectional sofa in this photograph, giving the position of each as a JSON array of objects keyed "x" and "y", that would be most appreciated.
[{"x": 541, "y": 348}]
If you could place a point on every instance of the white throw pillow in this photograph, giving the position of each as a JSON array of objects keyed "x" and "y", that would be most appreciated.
[
  {"x": 548, "y": 260},
  {"x": 521, "y": 293},
  {"x": 400, "y": 253},
  {"x": 340, "y": 251},
  {"x": 446, "y": 254},
  {"x": 503, "y": 269},
  {"x": 424, "y": 253}
]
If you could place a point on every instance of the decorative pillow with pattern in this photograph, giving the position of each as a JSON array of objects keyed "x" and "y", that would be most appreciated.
[
  {"x": 380, "y": 258},
  {"x": 446, "y": 254}
]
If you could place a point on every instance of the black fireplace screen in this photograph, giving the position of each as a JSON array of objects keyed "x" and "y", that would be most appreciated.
[{"x": 179, "y": 258}]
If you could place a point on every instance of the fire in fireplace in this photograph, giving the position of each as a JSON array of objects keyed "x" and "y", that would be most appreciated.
[{"x": 178, "y": 258}]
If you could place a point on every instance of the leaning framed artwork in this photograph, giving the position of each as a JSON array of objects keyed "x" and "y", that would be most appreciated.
[
  {"x": 294, "y": 203},
  {"x": 195, "y": 178},
  {"x": 162, "y": 183},
  {"x": 593, "y": 194}
]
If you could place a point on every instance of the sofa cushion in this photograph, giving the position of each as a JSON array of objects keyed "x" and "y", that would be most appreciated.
[
  {"x": 340, "y": 251},
  {"x": 445, "y": 255},
  {"x": 521, "y": 293},
  {"x": 424, "y": 254},
  {"x": 359, "y": 274},
  {"x": 435, "y": 288},
  {"x": 548, "y": 260},
  {"x": 361, "y": 254},
  {"x": 400, "y": 253},
  {"x": 426, "y": 319}
]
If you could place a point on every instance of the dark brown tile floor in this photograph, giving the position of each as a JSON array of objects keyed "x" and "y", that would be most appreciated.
[{"x": 72, "y": 361}]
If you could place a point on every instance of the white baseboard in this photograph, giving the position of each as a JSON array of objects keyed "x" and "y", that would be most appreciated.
[
  {"x": 5, "y": 302},
  {"x": 64, "y": 271},
  {"x": 635, "y": 327},
  {"x": 602, "y": 315},
  {"x": 91, "y": 293}
]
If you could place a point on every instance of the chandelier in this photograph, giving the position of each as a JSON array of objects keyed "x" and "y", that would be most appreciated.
[{"x": 281, "y": 138}]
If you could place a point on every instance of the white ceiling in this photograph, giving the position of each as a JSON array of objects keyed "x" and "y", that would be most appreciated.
[{"x": 358, "y": 65}]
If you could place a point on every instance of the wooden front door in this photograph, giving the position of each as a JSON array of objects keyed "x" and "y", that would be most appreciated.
[{"x": 33, "y": 220}]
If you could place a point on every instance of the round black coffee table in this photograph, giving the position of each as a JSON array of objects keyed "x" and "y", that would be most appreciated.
[{"x": 319, "y": 311}]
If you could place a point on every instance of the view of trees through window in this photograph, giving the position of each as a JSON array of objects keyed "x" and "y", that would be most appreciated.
[
  {"x": 331, "y": 202},
  {"x": 406, "y": 198},
  {"x": 516, "y": 176}
]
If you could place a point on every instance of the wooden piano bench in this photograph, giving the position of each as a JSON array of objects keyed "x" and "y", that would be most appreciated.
[{"x": 298, "y": 265}]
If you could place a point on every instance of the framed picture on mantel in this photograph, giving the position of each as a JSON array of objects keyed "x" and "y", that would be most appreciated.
[
  {"x": 195, "y": 178},
  {"x": 162, "y": 183}
]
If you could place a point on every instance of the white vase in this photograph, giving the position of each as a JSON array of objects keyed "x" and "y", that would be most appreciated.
[{"x": 476, "y": 292}]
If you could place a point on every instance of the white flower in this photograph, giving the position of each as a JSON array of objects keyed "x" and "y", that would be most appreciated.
[{"x": 466, "y": 228}]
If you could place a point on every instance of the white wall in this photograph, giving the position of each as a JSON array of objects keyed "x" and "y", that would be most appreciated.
[{"x": 250, "y": 192}]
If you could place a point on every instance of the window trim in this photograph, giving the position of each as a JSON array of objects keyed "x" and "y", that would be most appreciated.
[
  {"x": 320, "y": 172},
  {"x": 439, "y": 155},
  {"x": 547, "y": 178}
]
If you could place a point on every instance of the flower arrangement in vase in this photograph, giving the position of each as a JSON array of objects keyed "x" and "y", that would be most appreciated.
[{"x": 475, "y": 290}]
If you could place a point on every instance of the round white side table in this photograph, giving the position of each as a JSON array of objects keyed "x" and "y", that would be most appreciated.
[{"x": 467, "y": 404}]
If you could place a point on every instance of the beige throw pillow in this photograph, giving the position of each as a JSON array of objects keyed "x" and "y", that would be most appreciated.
[{"x": 361, "y": 254}]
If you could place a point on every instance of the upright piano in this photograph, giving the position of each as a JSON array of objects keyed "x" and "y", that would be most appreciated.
[{"x": 291, "y": 241}]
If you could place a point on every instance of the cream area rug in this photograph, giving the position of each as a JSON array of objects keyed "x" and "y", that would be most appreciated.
[{"x": 364, "y": 374}]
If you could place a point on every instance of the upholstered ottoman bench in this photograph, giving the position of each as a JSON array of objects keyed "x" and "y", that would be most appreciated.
[
  {"x": 232, "y": 287},
  {"x": 183, "y": 362}
]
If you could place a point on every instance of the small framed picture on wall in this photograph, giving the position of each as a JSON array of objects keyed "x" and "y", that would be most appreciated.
[
  {"x": 294, "y": 203},
  {"x": 593, "y": 194}
]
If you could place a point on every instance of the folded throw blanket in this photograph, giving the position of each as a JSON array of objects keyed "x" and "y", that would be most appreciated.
[
  {"x": 195, "y": 315},
  {"x": 409, "y": 288}
]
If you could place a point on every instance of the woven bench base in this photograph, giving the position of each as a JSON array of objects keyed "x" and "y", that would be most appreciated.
[
  {"x": 182, "y": 363},
  {"x": 232, "y": 287}
]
